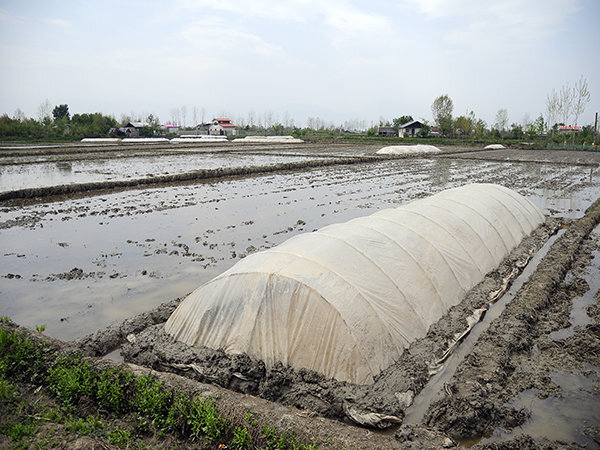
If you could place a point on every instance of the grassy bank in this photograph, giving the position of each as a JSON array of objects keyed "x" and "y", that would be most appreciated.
[{"x": 51, "y": 396}]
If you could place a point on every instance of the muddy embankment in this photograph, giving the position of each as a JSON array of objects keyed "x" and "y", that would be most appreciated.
[
  {"x": 517, "y": 352},
  {"x": 382, "y": 404}
]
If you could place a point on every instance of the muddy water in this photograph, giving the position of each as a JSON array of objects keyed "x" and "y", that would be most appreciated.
[
  {"x": 565, "y": 417},
  {"x": 79, "y": 265},
  {"x": 434, "y": 388}
]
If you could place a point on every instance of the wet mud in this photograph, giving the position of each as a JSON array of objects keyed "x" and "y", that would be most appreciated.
[{"x": 512, "y": 355}]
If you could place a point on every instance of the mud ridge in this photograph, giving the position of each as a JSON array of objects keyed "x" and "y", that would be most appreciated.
[
  {"x": 505, "y": 160},
  {"x": 381, "y": 404},
  {"x": 104, "y": 341},
  {"x": 477, "y": 395}
]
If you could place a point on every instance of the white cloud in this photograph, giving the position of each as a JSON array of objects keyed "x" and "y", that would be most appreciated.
[
  {"x": 7, "y": 18},
  {"x": 288, "y": 10},
  {"x": 344, "y": 17},
  {"x": 62, "y": 23},
  {"x": 508, "y": 23},
  {"x": 215, "y": 36}
]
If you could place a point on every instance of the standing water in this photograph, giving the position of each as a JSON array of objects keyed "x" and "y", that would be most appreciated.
[{"x": 434, "y": 388}]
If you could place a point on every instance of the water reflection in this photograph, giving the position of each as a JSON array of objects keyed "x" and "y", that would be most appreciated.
[
  {"x": 440, "y": 171},
  {"x": 64, "y": 167},
  {"x": 21, "y": 176}
]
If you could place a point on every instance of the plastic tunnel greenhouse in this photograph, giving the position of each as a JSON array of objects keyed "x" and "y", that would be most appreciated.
[{"x": 346, "y": 300}]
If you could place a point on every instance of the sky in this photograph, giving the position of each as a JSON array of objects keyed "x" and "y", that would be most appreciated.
[{"x": 288, "y": 60}]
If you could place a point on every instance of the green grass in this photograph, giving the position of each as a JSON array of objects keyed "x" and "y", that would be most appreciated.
[{"x": 114, "y": 393}]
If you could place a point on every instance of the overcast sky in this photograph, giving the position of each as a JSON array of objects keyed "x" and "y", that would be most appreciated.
[{"x": 334, "y": 59}]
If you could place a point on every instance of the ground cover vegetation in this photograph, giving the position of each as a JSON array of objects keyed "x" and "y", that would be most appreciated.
[{"x": 51, "y": 396}]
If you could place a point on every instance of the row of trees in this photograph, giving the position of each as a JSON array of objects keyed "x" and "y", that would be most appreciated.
[
  {"x": 562, "y": 106},
  {"x": 55, "y": 123}
]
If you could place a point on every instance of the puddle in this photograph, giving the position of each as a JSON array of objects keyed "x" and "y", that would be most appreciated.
[
  {"x": 563, "y": 419},
  {"x": 115, "y": 356},
  {"x": 434, "y": 388},
  {"x": 578, "y": 315}
]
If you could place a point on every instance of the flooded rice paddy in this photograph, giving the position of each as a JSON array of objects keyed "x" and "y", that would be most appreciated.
[
  {"x": 79, "y": 264},
  {"x": 52, "y": 173}
]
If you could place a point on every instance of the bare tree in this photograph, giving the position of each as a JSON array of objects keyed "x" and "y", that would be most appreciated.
[
  {"x": 581, "y": 96},
  {"x": 195, "y": 115},
  {"x": 552, "y": 105},
  {"x": 175, "y": 116},
  {"x": 565, "y": 103},
  {"x": 19, "y": 115},
  {"x": 501, "y": 120},
  {"x": 44, "y": 111},
  {"x": 183, "y": 112}
]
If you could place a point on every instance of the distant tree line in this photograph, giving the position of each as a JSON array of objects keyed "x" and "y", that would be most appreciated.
[
  {"x": 561, "y": 107},
  {"x": 58, "y": 125}
]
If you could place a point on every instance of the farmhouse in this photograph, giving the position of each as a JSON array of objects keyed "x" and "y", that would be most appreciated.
[
  {"x": 132, "y": 129},
  {"x": 169, "y": 128},
  {"x": 386, "y": 131},
  {"x": 563, "y": 129},
  {"x": 410, "y": 129},
  {"x": 220, "y": 126}
]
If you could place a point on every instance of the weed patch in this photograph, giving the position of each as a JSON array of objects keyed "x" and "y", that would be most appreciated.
[{"x": 61, "y": 382}]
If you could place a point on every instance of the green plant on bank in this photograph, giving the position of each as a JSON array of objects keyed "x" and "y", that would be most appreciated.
[
  {"x": 71, "y": 379},
  {"x": 276, "y": 441},
  {"x": 241, "y": 438},
  {"x": 119, "y": 437},
  {"x": 16, "y": 431},
  {"x": 202, "y": 418},
  {"x": 21, "y": 359},
  {"x": 88, "y": 426},
  {"x": 7, "y": 392}
]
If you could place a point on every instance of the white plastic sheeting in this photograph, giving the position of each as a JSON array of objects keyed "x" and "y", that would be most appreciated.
[
  {"x": 347, "y": 299},
  {"x": 144, "y": 140},
  {"x": 204, "y": 138},
  {"x": 271, "y": 139},
  {"x": 101, "y": 140},
  {"x": 494, "y": 146},
  {"x": 408, "y": 149}
]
